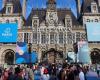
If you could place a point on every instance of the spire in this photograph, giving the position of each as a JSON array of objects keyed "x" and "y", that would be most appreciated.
[
  {"x": 78, "y": 6},
  {"x": 51, "y": 1},
  {"x": 51, "y": 4},
  {"x": 24, "y": 8}
]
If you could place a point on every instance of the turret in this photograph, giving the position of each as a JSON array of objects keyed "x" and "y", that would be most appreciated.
[{"x": 51, "y": 4}]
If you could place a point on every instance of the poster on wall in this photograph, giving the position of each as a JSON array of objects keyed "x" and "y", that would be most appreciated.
[{"x": 8, "y": 32}]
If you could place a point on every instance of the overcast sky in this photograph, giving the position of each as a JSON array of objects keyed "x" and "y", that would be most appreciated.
[{"x": 42, "y": 4}]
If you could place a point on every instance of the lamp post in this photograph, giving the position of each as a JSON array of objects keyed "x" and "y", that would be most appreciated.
[{"x": 30, "y": 52}]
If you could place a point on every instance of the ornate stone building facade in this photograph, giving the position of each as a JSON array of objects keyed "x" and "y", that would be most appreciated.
[{"x": 49, "y": 29}]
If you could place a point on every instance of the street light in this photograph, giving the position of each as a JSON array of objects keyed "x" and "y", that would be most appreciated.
[{"x": 30, "y": 51}]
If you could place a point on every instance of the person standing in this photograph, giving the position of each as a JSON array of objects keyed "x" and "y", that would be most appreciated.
[
  {"x": 81, "y": 74},
  {"x": 30, "y": 72},
  {"x": 45, "y": 76},
  {"x": 71, "y": 75}
]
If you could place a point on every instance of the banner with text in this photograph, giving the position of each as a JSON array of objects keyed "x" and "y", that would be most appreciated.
[{"x": 8, "y": 32}]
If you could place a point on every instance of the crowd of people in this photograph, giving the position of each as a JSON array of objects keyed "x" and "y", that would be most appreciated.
[
  {"x": 47, "y": 72},
  {"x": 17, "y": 73},
  {"x": 67, "y": 72}
]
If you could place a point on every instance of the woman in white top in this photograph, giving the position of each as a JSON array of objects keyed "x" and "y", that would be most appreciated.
[{"x": 81, "y": 75}]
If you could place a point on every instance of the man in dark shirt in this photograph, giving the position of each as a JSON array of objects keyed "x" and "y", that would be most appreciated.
[{"x": 71, "y": 74}]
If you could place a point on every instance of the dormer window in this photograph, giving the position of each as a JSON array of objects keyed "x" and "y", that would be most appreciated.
[
  {"x": 9, "y": 8},
  {"x": 68, "y": 21},
  {"x": 94, "y": 8},
  {"x": 35, "y": 21}
]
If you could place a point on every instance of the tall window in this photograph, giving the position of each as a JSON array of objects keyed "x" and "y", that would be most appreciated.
[
  {"x": 78, "y": 36},
  {"x": 51, "y": 38},
  {"x": 69, "y": 38},
  {"x": 61, "y": 38},
  {"x": 83, "y": 36},
  {"x": 8, "y": 9},
  {"x": 35, "y": 38},
  {"x": 35, "y": 23},
  {"x": 73, "y": 37},
  {"x": 94, "y": 8},
  {"x": 26, "y": 37},
  {"x": 43, "y": 38}
]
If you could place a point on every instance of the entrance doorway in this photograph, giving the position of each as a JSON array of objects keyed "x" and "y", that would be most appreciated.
[
  {"x": 52, "y": 56},
  {"x": 95, "y": 55},
  {"x": 9, "y": 57}
]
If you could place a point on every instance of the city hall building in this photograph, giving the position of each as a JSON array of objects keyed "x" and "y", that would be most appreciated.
[{"x": 51, "y": 31}]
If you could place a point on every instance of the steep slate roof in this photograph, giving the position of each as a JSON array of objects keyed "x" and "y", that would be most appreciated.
[
  {"x": 86, "y": 6},
  {"x": 16, "y": 7},
  {"x": 41, "y": 13}
]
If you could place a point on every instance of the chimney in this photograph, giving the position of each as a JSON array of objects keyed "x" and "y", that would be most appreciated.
[
  {"x": 24, "y": 8},
  {"x": 78, "y": 6},
  {"x": 3, "y": 3}
]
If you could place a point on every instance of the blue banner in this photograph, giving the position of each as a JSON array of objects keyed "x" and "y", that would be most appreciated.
[
  {"x": 23, "y": 55},
  {"x": 8, "y": 32}
]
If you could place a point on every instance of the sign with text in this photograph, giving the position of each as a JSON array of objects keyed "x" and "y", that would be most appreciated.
[
  {"x": 8, "y": 32},
  {"x": 93, "y": 31}
]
